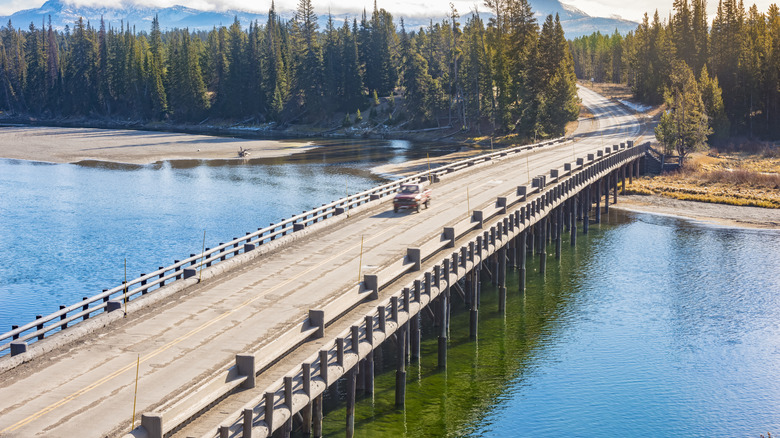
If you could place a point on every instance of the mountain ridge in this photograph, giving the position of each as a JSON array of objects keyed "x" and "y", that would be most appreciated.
[{"x": 575, "y": 22}]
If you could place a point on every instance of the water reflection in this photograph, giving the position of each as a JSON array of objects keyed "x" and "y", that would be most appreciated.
[{"x": 650, "y": 326}]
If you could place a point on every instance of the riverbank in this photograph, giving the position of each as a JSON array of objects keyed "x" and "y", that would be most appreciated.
[
  {"x": 715, "y": 214},
  {"x": 73, "y": 145}
]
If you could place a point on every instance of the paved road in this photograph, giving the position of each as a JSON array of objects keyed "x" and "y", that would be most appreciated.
[{"x": 87, "y": 389}]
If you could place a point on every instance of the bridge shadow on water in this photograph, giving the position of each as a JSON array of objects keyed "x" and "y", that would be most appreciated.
[{"x": 480, "y": 374}]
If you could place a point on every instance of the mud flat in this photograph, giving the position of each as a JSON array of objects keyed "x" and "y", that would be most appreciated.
[{"x": 73, "y": 145}]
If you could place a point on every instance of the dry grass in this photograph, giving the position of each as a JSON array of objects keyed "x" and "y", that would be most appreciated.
[
  {"x": 609, "y": 90},
  {"x": 741, "y": 179}
]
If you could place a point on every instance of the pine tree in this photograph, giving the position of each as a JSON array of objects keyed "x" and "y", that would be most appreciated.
[
  {"x": 684, "y": 127},
  {"x": 712, "y": 99}
]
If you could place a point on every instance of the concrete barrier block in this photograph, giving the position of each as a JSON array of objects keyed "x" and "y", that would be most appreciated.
[
  {"x": 522, "y": 191},
  {"x": 373, "y": 197},
  {"x": 580, "y": 162},
  {"x": 478, "y": 216},
  {"x": 553, "y": 173},
  {"x": 371, "y": 281},
  {"x": 18, "y": 347},
  {"x": 115, "y": 304},
  {"x": 449, "y": 234},
  {"x": 339, "y": 210},
  {"x": 600, "y": 153},
  {"x": 298, "y": 226},
  {"x": 246, "y": 367},
  {"x": 153, "y": 423},
  {"x": 414, "y": 255},
  {"x": 249, "y": 247},
  {"x": 189, "y": 273},
  {"x": 567, "y": 167},
  {"x": 591, "y": 157},
  {"x": 317, "y": 319},
  {"x": 501, "y": 203}
]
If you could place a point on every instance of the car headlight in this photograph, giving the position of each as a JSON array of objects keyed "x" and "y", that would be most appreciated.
[{"x": 417, "y": 197}]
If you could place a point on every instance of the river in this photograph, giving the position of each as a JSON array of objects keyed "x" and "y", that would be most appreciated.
[
  {"x": 67, "y": 230},
  {"x": 650, "y": 326}
]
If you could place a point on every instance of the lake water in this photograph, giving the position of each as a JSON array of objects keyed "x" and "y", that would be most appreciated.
[
  {"x": 651, "y": 326},
  {"x": 66, "y": 230}
]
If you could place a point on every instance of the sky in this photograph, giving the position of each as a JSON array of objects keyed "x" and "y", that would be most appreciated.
[{"x": 631, "y": 10}]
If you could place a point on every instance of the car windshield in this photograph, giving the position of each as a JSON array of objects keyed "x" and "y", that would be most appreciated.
[{"x": 408, "y": 190}]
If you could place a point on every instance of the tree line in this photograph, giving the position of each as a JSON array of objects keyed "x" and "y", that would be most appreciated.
[
  {"x": 502, "y": 75},
  {"x": 732, "y": 66}
]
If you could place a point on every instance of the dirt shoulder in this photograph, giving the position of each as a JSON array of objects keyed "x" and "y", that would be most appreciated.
[{"x": 717, "y": 214}]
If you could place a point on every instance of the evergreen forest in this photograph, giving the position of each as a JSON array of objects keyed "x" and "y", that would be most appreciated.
[
  {"x": 728, "y": 71},
  {"x": 506, "y": 74}
]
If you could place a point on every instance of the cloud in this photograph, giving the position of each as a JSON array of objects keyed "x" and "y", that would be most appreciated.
[{"x": 8, "y": 7}]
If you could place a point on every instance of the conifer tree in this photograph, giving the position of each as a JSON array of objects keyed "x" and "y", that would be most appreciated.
[{"x": 684, "y": 127}]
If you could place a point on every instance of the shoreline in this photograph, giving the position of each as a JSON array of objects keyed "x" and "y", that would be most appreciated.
[
  {"x": 61, "y": 145},
  {"x": 722, "y": 215}
]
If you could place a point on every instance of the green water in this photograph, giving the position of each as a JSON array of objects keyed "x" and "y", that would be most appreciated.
[{"x": 650, "y": 326}]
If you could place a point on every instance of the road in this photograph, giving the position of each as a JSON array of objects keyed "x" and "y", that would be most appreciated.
[{"x": 87, "y": 389}]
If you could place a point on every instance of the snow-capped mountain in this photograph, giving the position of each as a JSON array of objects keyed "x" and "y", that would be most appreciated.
[{"x": 575, "y": 22}]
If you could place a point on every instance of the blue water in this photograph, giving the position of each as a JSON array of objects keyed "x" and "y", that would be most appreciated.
[
  {"x": 67, "y": 229},
  {"x": 651, "y": 326}
]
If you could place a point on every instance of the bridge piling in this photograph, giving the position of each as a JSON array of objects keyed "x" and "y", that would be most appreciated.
[
  {"x": 316, "y": 426},
  {"x": 522, "y": 254},
  {"x": 543, "y": 246},
  {"x": 474, "y": 314},
  {"x": 400, "y": 371},
  {"x": 599, "y": 194},
  {"x": 414, "y": 340},
  {"x": 615, "y": 188},
  {"x": 585, "y": 209},
  {"x": 573, "y": 220},
  {"x": 558, "y": 232},
  {"x": 351, "y": 378},
  {"x": 306, "y": 412},
  {"x": 502, "y": 280},
  {"x": 609, "y": 178}
]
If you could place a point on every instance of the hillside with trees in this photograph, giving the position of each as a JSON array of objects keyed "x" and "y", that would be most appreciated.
[
  {"x": 505, "y": 75},
  {"x": 735, "y": 63}
]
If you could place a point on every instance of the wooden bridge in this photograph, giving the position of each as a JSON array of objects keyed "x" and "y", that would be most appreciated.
[{"x": 243, "y": 339}]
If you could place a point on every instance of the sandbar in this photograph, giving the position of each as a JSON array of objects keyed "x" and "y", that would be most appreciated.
[{"x": 73, "y": 145}]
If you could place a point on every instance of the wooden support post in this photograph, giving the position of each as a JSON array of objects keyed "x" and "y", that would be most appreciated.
[
  {"x": 369, "y": 375},
  {"x": 532, "y": 240},
  {"x": 307, "y": 410},
  {"x": 623, "y": 171},
  {"x": 400, "y": 371},
  {"x": 522, "y": 259},
  {"x": 543, "y": 248},
  {"x": 414, "y": 340},
  {"x": 614, "y": 190},
  {"x": 351, "y": 393},
  {"x": 443, "y": 328},
  {"x": 316, "y": 427},
  {"x": 287, "y": 428},
  {"x": 474, "y": 313},
  {"x": 502, "y": 280},
  {"x": 599, "y": 191},
  {"x": 511, "y": 253},
  {"x": 585, "y": 210},
  {"x": 610, "y": 177},
  {"x": 573, "y": 220},
  {"x": 558, "y": 231}
]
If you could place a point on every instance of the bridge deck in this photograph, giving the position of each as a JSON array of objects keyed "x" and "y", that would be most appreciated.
[{"x": 86, "y": 389}]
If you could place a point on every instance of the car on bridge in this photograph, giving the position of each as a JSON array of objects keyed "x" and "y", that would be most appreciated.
[{"x": 412, "y": 196}]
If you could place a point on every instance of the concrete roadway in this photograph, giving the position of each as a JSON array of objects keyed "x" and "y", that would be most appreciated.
[{"x": 87, "y": 389}]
